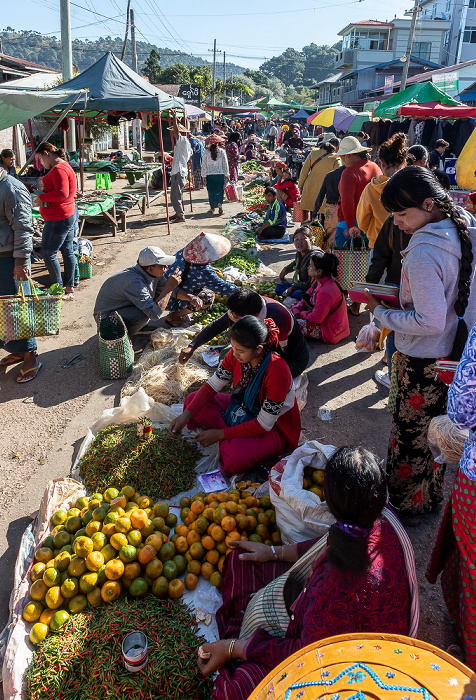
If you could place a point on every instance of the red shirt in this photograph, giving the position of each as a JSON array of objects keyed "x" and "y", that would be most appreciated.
[
  {"x": 329, "y": 310},
  {"x": 59, "y": 188},
  {"x": 279, "y": 409},
  {"x": 352, "y": 183}
]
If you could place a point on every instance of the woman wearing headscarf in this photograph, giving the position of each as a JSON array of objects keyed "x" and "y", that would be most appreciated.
[
  {"x": 215, "y": 172},
  {"x": 233, "y": 155}
]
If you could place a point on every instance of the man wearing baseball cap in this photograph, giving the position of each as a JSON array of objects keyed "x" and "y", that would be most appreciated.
[{"x": 139, "y": 293}]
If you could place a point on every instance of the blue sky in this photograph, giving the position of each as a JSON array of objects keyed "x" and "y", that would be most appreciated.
[{"x": 248, "y": 31}]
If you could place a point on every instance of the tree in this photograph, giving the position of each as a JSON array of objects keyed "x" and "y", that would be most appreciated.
[
  {"x": 319, "y": 63},
  {"x": 257, "y": 76},
  {"x": 288, "y": 67},
  {"x": 178, "y": 74},
  {"x": 151, "y": 68},
  {"x": 202, "y": 75}
]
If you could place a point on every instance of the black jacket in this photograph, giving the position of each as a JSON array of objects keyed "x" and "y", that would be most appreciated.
[
  {"x": 303, "y": 261},
  {"x": 387, "y": 255},
  {"x": 329, "y": 189}
]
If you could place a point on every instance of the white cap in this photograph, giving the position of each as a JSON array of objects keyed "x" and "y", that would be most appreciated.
[{"x": 154, "y": 256}]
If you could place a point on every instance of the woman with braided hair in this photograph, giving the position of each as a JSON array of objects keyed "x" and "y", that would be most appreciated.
[
  {"x": 437, "y": 306},
  {"x": 260, "y": 418}
]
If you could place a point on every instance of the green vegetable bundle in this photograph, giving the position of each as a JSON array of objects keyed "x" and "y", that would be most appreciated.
[
  {"x": 162, "y": 466},
  {"x": 85, "y": 662},
  {"x": 252, "y": 166},
  {"x": 240, "y": 259},
  {"x": 259, "y": 182}
]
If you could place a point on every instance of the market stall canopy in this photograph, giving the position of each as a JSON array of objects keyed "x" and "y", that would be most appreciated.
[
  {"x": 302, "y": 114},
  {"x": 113, "y": 86},
  {"x": 268, "y": 102},
  {"x": 332, "y": 116},
  {"x": 420, "y": 93},
  {"x": 436, "y": 109},
  {"x": 231, "y": 110},
  {"x": 17, "y": 106},
  {"x": 194, "y": 113}
]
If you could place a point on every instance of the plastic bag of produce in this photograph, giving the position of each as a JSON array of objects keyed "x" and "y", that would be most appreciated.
[
  {"x": 446, "y": 440},
  {"x": 300, "y": 513},
  {"x": 368, "y": 337},
  {"x": 16, "y": 651}
]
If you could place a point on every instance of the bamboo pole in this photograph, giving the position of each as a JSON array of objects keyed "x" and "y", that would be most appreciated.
[{"x": 162, "y": 155}]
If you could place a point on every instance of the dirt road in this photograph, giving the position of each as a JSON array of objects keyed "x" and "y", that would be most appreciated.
[{"x": 45, "y": 420}]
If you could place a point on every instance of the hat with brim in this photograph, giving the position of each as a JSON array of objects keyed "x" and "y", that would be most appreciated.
[
  {"x": 348, "y": 146},
  {"x": 206, "y": 248},
  {"x": 153, "y": 255},
  {"x": 181, "y": 129},
  {"x": 214, "y": 139}
]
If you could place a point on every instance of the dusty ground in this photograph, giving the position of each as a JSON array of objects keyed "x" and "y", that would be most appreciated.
[{"x": 44, "y": 421}]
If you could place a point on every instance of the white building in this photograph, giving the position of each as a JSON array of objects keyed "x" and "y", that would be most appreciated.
[{"x": 460, "y": 39}]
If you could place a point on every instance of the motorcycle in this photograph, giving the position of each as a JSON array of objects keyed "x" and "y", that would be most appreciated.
[{"x": 296, "y": 160}]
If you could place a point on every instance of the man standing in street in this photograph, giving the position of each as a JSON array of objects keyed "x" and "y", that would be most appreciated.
[
  {"x": 272, "y": 132},
  {"x": 179, "y": 172},
  {"x": 16, "y": 245}
]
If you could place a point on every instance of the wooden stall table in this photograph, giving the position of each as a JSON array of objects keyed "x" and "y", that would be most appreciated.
[
  {"x": 366, "y": 666},
  {"x": 104, "y": 207}
]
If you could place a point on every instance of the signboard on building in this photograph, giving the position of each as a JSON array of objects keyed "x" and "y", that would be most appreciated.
[
  {"x": 191, "y": 94},
  {"x": 388, "y": 87},
  {"x": 446, "y": 81},
  {"x": 369, "y": 106}
]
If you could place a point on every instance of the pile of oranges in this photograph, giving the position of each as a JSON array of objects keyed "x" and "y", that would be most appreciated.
[
  {"x": 313, "y": 481},
  {"x": 119, "y": 542},
  {"x": 211, "y": 522}
]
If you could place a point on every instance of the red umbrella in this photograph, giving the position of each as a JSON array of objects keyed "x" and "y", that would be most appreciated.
[{"x": 436, "y": 109}]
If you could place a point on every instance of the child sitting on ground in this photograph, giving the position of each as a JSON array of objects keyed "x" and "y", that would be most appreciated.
[{"x": 275, "y": 221}]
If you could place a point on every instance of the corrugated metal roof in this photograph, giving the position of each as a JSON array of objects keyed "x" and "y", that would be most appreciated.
[{"x": 366, "y": 23}]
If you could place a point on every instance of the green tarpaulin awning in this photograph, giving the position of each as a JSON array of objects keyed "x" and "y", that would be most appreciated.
[
  {"x": 420, "y": 93},
  {"x": 17, "y": 106}
]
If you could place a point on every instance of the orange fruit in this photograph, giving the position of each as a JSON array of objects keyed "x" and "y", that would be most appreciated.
[
  {"x": 154, "y": 568},
  {"x": 207, "y": 570},
  {"x": 161, "y": 509},
  {"x": 46, "y": 616},
  {"x": 185, "y": 502},
  {"x": 123, "y": 525},
  {"x": 231, "y": 507},
  {"x": 215, "y": 579},
  {"x": 144, "y": 502},
  {"x": 218, "y": 533},
  {"x": 139, "y": 518},
  {"x": 192, "y": 537},
  {"x": 94, "y": 597},
  {"x": 254, "y": 538},
  {"x": 211, "y": 497},
  {"x": 160, "y": 586},
  {"x": 109, "y": 529},
  {"x": 222, "y": 497},
  {"x": 208, "y": 542},
  {"x": 146, "y": 554},
  {"x": 214, "y": 505},
  {"x": 244, "y": 538},
  {"x": 194, "y": 567},
  {"x": 94, "y": 561},
  {"x": 132, "y": 570},
  {"x": 212, "y": 556},
  {"x": 77, "y": 567},
  {"x": 167, "y": 552},
  {"x": 197, "y": 507},
  {"x": 197, "y": 550},
  {"x": 221, "y": 547},
  {"x": 128, "y": 492},
  {"x": 241, "y": 521},
  {"x": 188, "y": 556},
  {"x": 182, "y": 530},
  {"x": 208, "y": 514},
  {"x": 276, "y": 538},
  {"x": 228, "y": 523},
  {"x": 263, "y": 519},
  {"x": 191, "y": 517},
  {"x": 38, "y": 590},
  {"x": 92, "y": 527},
  {"x": 108, "y": 553},
  {"x": 111, "y": 591},
  {"x": 175, "y": 588},
  {"x": 43, "y": 554},
  {"x": 53, "y": 597},
  {"x": 118, "y": 540},
  {"x": 241, "y": 509},
  {"x": 219, "y": 514},
  {"x": 37, "y": 570},
  {"x": 262, "y": 531},
  {"x": 232, "y": 537},
  {"x": 181, "y": 545},
  {"x": 32, "y": 611},
  {"x": 252, "y": 523},
  {"x": 201, "y": 525},
  {"x": 191, "y": 581},
  {"x": 114, "y": 569},
  {"x": 155, "y": 540},
  {"x": 221, "y": 561}
]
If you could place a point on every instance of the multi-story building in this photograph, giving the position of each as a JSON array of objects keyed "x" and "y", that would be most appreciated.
[
  {"x": 460, "y": 40},
  {"x": 373, "y": 50}
]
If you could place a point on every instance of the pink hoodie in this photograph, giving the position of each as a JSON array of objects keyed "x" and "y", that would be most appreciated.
[{"x": 329, "y": 310}]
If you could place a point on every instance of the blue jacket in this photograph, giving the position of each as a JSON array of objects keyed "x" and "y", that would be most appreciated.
[
  {"x": 197, "y": 154},
  {"x": 200, "y": 277}
]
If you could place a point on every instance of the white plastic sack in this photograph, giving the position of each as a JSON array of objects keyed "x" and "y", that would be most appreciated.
[
  {"x": 59, "y": 493},
  {"x": 300, "y": 514}
]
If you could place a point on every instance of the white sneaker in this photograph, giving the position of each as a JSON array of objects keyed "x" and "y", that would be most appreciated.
[{"x": 382, "y": 377}]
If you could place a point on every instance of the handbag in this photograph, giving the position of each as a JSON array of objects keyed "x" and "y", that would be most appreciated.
[
  {"x": 297, "y": 213},
  {"x": 317, "y": 234},
  {"x": 242, "y": 406},
  {"x": 29, "y": 315},
  {"x": 230, "y": 192},
  {"x": 115, "y": 348},
  {"x": 353, "y": 265}
]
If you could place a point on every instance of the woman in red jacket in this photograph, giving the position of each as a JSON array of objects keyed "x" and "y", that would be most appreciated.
[
  {"x": 287, "y": 189},
  {"x": 57, "y": 207},
  {"x": 260, "y": 418},
  {"x": 322, "y": 312}
]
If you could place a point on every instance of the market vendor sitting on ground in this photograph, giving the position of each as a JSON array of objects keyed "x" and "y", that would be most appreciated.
[
  {"x": 246, "y": 301},
  {"x": 260, "y": 419},
  {"x": 275, "y": 220},
  {"x": 140, "y": 293},
  {"x": 197, "y": 276},
  {"x": 302, "y": 240},
  {"x": 359, "y": 578}
]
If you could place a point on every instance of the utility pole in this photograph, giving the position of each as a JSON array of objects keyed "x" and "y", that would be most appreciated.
[
  {"x": 67, "y": 62},
  {"x": 224, "y": 78},
  {"x": 232, "y": 97},
  {"x": 133, "y": 42},
  {"x": 414, "y": 13},
  {"x": 136, "y": 123},
  {"x": 214, "y": 71},
  {"x": 124, "y": 46}
]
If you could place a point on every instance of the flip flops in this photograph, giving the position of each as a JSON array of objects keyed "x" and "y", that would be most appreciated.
[
  {"x": 11, "y": 359},
  {"x": 23, "y": 379}
]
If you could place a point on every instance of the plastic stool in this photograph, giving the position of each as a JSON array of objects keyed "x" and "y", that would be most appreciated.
[{"x": 103, "y": 181}]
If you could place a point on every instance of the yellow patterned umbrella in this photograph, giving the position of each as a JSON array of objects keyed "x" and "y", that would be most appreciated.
[{"x": 369, "y": 667}]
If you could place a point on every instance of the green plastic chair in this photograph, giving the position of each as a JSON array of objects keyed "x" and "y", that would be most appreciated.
[{"x": 103, "y": 181}]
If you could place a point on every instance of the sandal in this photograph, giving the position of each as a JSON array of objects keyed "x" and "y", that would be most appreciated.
[
  {"x": 11, "y": 359},
  {"x": 23, "y": 379},
  {"x": 68, "y": 297}
]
